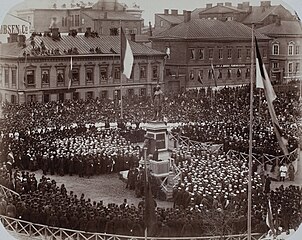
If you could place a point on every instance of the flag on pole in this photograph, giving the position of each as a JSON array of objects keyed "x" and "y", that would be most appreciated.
[
  {"x": 263, "y": 81},
  {"x": 126, "y": 55},
  {"x": 70, "y": 74},
  {"x": 213, "y": 74},
  {"x": 149, "y": 215},
  {"x": 269, "y": 218}
]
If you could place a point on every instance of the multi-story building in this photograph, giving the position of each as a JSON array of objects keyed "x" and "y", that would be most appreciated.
[
  {"x": 74, "y": 67},
  {"x": 196, "y": 45},
  {"x": 166, "y": 20},
  {"x": 104, "y": 17},
  {"x": 285, "y": 50}
]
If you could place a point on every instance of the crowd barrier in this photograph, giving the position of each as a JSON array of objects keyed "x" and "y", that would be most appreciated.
[
  {"x": 6, "y": 192},
  {"x": 39, "y": 231}
]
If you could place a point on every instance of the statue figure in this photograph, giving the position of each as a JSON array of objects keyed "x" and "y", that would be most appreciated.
[{"x": 158, "y": 102}]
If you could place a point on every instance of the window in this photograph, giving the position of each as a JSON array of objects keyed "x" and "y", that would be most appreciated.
[
  {"x": 290, "y": 67},
  {"x": 117, "y": 94},
  {"x": 77, "y": 20},
  {"x": 154, "y": 72},
  {"x": 219, "y": 74},
  {"x": 89, "y": 75},
  {"x": 13, "y": 99},
  {"x": 247, "y": 73},
  {"x": 75, "y": 96},
  {"x": 31, "y": 98},
  {"x": 104, "y": 94},
  {"x": 117, "y": 73},
  {"x": 200, "y": 75},
  {"x": 89, "y": 95},
  {"x": 63, "y": 21},
  {"x": 248, "y": 53},
  {"x": 229, "y": 53},
  {"x": 229, "y": 75},
  {"x": 210, "y": 74},
  {"x": 192, "y": 53},
  {"x": 1, "y": 75},
  {"x": 30, "y": 76},
  {"x": 143, "y": 72},
  {"x": 220, "y": 53},
  {"x": 297, "y": 67},
  {"x": 297, "y": 49},
  {"x": 142, "y": 92},
  {"x": 291, "y": 48},
  {"x": 134, "y": 30},
  {"x": 6, "y": 77},
  {"x": 113, "y": 31},
  {"x": 60, "y": 76},
  {"x": 211, "y": 53},
  {"x": 72, "y": 20},
  {"x": 239, "y": 53},
  {"x": 14, "y": 77},
  {"x": 45, "y": 76},
  {"x": 238, "y": 73},
  {"x": 161, "y": 23},
  {"x": 191, "y": 75},
  {"x": 75, "y": 76},
  {"x": 127, "y": 31},
  {"x": 275, "y": 49},
  {"x": 46, "y": 98},
  {"x": 264, "y": 53},
  {"x": 130, "y": 92},
  {"x": 275, "y": 65},
  {"x": 201, "y": 54},
  {"x": 104, "y": 74},
  {"x": 61, "y": 97}
]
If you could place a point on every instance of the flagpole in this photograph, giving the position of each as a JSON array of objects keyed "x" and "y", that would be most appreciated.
[
  {"x": 121, "y": 67},
  {"x": 145, "y": 192},
  {"x": 249, "y": 211}
]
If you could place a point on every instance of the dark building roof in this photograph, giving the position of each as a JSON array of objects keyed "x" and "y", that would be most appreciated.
[
  {"x": 173, "y": 19},
  {"x": 284, "y": 28},
  {"x": 106, "y": 44},
  {"x": 259, "y": 13},
  {"x": 210, "y": 29}
]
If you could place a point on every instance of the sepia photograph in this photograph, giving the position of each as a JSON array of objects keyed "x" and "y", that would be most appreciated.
[{"x": 150, "y": 120}]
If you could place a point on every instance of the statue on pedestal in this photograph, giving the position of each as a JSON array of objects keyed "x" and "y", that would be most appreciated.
[{"x": 158, "y": 98}]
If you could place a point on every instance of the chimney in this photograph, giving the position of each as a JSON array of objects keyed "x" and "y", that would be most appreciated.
[
  {"x": 150, "y": 29},
  {"x": 240, "y": 6},
  {"x": 246, "y": 5},
  {"x": 132, "y": 37},
  {"x": 13, "y": 37},
  {"x": 174, "y": 12},
  {"x": 219, "y": 4},
  {"x": 209, "y": 5},
  {"x": 228, "y": 4},
  {"x": 21, "y": 40},
  {"x": 105, "y": 15},
  {"x": 187, "y": 16},
  {"x": 88, "y": 32},
  {"x": 54, "y": 33},
  {"x": 265, "y": 4},
  {"x": 166, "y": 11}
]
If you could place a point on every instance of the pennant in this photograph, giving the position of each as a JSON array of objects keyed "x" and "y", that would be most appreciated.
[
  {"x": 70, "y": 74},
  {"x": 263, "y": 81},
  {"x": 126, "y": 56},
  {"x": 269, "y": 218},
  {"x": 213, "y": 73}
]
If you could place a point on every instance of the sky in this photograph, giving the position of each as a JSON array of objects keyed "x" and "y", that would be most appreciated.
[{"x": 151, "y": 7}]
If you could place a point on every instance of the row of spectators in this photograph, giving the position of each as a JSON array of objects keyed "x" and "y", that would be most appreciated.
[
  {"x": 220, "y": 117},
  {"x": 76, "y": 150},
  {"x": 47, "y": 203}
]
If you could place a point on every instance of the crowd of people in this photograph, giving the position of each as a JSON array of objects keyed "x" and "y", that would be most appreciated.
[{"x": 74, "y": 137}]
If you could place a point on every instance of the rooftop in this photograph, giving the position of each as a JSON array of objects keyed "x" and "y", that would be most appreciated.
[
  {"x": 83, "y": 45},
  {"x": 285, "y": 28},
  {"x": 210, "y": 29}
]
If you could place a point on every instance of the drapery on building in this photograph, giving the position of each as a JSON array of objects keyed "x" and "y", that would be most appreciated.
[
  {"x": 39, "y": 69},
  {"x": 196, "y": 44}
]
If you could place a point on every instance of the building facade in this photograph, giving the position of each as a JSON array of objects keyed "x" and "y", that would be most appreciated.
[
  {"x": 104, "y": 17},
  {"x": 200, "y": 51},
  {"x": 74, "y": 67},
  {"x": 285, "y": 50}
]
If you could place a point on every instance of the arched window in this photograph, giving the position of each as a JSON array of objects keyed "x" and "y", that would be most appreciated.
[
  {"x": 275, "y": 49},
  {"x": 291, "y": 48}
]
